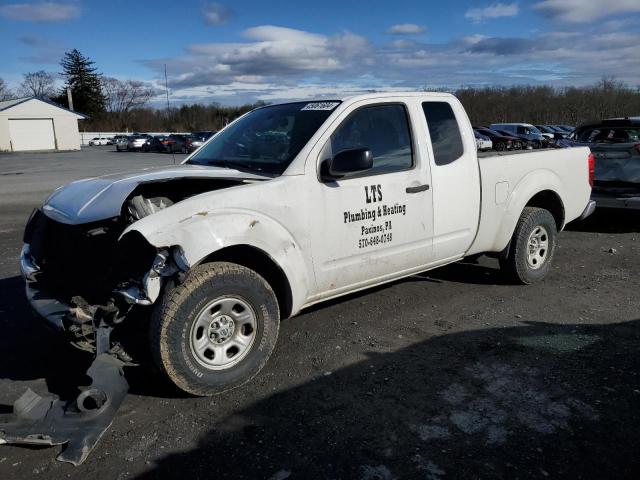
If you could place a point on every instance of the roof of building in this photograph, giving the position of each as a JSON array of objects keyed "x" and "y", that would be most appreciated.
[{"x": 7, "y": 104}]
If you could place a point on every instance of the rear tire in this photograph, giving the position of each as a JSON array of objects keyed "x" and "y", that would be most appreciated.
[
  {"x": 216, "y": 330},
  {"x": 532, "y": 247}
]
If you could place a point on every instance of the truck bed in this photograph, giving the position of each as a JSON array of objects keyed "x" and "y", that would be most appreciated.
[{"x": 510, "y": 179}]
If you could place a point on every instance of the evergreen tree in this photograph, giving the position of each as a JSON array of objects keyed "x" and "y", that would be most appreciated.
[{"x": 84, "y": 81}]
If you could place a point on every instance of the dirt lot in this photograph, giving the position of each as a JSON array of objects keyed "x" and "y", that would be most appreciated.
[{"x": 450, "y": 374}]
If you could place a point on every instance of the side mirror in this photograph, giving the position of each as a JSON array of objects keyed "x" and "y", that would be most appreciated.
[{"x": 347, "y": 163}]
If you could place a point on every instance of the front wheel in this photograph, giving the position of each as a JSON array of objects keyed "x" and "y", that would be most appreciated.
[
  {"x": 532, "y": 247},
  {"x": 216, "y": 330}
]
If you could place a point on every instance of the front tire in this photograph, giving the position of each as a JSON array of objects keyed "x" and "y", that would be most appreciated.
[
  {"x": 216, "y": 330},
  {"x": 532, "y": 247}
]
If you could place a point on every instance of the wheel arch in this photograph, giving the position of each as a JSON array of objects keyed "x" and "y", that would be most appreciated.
[
  {"x": 551, "y": 201},
  {"x": 264, "y": 265},
  {"x": 546, "y": 199}
]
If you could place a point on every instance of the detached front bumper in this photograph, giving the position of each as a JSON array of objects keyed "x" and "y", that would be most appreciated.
[
  {"x": 49, "y": 308},
  {"x": 80, "y": 423}
]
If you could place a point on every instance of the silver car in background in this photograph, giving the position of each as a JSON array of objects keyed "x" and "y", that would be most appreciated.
[
  {"x": 136, "y": 142},
  {"x": 121, "y": 142},
  {"x": 196, "y": 139}
]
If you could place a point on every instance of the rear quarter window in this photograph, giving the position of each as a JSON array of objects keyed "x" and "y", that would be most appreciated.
[{"x": 444, "y": 131}]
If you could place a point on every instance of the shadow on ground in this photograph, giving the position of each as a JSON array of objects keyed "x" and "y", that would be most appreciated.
[
  {"x": 606, "y": 220},
  {"x": 30, "y": 351},
  {"x": 541, "y": 400}
]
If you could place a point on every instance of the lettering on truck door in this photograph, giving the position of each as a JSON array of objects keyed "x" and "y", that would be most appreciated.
[{"x": 379, "y": 222}]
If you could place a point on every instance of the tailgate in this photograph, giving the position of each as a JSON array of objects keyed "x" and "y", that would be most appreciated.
[{"x": 617, "y": 162}]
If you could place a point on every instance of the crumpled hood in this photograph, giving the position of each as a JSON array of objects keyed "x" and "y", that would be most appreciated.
[{"x": 99, "y": 198}]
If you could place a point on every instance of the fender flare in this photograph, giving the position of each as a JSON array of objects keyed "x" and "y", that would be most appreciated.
[{"x": 527, "y": 188}]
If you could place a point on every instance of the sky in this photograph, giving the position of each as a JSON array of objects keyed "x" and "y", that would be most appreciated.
[{"x": 242, "y": 51}]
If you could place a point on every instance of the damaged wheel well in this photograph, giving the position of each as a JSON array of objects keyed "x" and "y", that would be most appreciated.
[{"x": 261, "y": 263}]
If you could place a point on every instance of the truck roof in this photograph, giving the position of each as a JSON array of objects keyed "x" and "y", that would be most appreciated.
[{"x": 366, "y": 96}]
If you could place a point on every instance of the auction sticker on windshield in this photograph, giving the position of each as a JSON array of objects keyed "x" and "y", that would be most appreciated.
[{"x": 320, "y": 106}]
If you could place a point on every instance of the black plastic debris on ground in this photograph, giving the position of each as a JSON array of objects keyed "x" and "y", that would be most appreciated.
[{"x": 80, "y": 423}]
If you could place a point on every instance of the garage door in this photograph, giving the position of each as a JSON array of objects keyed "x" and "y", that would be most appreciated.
[{"x": 32, "y": 134}]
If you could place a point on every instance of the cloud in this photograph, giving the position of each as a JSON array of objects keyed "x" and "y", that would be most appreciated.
[
  {"x": 495, "y": 10},
  {"x": 504, "y": 46},
  {"x": 40, "y": 12},
  {"x": 270, "y": 51},
  {"x": 216, "y": 14},
  {"x": 406, "y": 29},
  {"x": 43, "y": 50},
  {"x": 472, "y": 39},
  {"x": 582, "y": 11},
  {"x": 278, "y": 63}
]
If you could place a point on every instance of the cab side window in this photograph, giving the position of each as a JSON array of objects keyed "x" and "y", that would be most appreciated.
[
  {"x": 383, "y": 129},
  {"x": 445, "y": 133}
]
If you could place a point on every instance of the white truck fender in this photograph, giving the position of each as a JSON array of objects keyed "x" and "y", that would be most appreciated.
[
  {"x": 529, "y": 186},
  {"x": 204, "y": 233}
]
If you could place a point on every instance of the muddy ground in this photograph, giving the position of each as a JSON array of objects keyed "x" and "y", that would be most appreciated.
[{"x": 449, "y": 374}]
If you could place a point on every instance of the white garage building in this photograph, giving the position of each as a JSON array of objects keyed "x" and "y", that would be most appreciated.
[{"x": 37, "y": 124}]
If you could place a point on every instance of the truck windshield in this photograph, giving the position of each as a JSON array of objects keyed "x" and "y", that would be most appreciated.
[{"x": 267, "y": 139}]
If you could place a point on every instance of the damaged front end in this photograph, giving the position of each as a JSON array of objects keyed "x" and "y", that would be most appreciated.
[
  {"x": 86, "y": 280},
  {"x": 84, "y": 277}
]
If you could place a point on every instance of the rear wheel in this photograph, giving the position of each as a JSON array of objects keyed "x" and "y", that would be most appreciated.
[
  {"x": 216, "y": 330},
  {"x": 532, "y": 247}
]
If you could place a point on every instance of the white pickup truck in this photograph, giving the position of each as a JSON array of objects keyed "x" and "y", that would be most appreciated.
[{"x": 288, "y": 206}]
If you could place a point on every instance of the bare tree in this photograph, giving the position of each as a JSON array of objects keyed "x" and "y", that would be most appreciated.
[
  {"x": 5, "y": 92},
  {"x": 123, "y": 97},
  {"x": 38, "y": 84}
]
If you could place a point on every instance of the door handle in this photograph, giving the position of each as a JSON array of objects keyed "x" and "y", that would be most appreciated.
[{"x": 418, "y": 189}]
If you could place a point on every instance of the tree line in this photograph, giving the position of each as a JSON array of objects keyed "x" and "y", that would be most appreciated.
[
  {"x": 122, "y": 105},
  {"x": 548, "y": 105}
]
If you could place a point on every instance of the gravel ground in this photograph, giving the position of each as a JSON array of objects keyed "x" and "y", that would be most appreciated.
[{"x": 448, "y": 374}]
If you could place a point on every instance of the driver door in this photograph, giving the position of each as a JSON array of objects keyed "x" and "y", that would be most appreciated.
[{"x": 376, "y": 224}]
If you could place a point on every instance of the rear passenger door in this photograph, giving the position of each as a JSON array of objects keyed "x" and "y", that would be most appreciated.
[
  {"x": 379, "y": 223},
  {"x": 455, "y": 177}
]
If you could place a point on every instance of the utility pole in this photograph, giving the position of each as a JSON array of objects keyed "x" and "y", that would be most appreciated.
[
  {"x": 166, "y": 89},
  {"x": 70, "y": 99}
]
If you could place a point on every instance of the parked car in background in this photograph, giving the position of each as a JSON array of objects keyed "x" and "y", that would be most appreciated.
[
  {"x": 175, "y": 143},
  {"x": 154, "y": 144},
  {"x": 136, "y": 142},
  {"x": 559, "y": 130},
  {"x": 526, "y": 143},
  {"x": 616, "y": 146},
  {"x": 483, "y": 143},
  {"x": 122, "y": 143},
  {"x": 566, "y": 128},
  {"x": 95, "y": 141},
  {"x": 196, "y": 139},
  {"x": 549, "y": 133},
  {"x": 524, "y": 131},
  {"x": 500, "y": 141}
]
